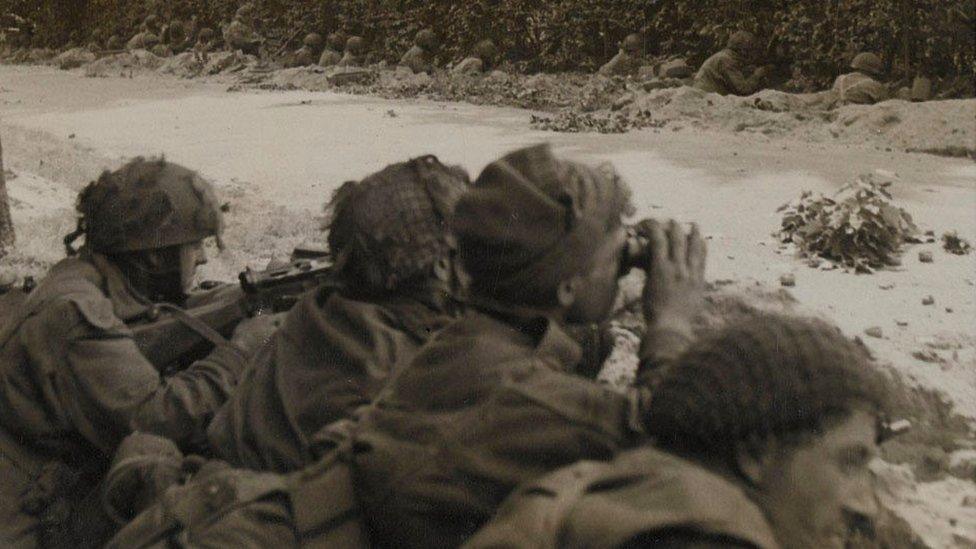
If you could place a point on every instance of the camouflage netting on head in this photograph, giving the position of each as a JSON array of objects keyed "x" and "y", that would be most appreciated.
[
  {"x": 389, "y": 229},
  {"x": 146, "y": 204},
  {"x": 770, "y": 376}
]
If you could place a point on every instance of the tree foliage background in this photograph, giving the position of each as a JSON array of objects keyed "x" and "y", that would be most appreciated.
[{"x": 814, "y": 40}]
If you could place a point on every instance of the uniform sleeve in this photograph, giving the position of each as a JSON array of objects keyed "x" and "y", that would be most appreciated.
[
  {"x": 685, "y": 539},
  {"x": 109, "y": 389},
  {"x": 737, "y": 81}
]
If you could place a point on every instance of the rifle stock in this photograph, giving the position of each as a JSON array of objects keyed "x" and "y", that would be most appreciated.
[{"x": 171, "y": 344}]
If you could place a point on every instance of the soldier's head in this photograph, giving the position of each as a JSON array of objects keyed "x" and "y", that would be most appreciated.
[
  {"x": 114, "y": 42},
  {"x": 743, "y": 43},
  {"x": 354, "y": 45},
  {"x": 313, "y": 41},
  {"x": 205, "y": 35},
  {"x": 543, "y": 234},
  {"x": 336, "y": 40},
  {"x": 388, "y": 234},
  {"x": 788, "y": 406},
  {"x": 868, "y": 63},
  {"x": 427, "y": 39},
  {"x": 152, "y": 23},
  {"x": 486, "y": 50},
  {"x": 245, "y": 13},
  {"x": 632, "y": 44},
  {"x": 150, "y": 217},
  {"x": 176, "y": 33}
]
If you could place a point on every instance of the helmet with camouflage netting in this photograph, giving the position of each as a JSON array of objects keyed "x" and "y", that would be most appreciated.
[
  {"x": 632, "y": 43},
  {"x": 336, "y": 40},
  {"x": 354, "y": 44},
  {"x": 389, "y": 230},
  {"x": 743, "y": 43},
  {"x": 146, "y": 205},
  {"x": 312, "y": 40},
  {"x": 426, "y": 39},
  {"x": 486, "y": 49},
  {"x": 869, "y": 63}
]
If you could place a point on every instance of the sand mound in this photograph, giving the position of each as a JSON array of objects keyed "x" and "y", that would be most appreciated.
[
  {"x": 74, "y": 58},
  {"x": 119, "y": 63}
]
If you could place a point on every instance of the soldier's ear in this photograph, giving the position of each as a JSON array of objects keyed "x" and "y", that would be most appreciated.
[{"x": 753, "y": 460}]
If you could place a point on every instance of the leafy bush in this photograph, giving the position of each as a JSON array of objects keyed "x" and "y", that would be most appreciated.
[
  {"x": 955, "y": 244},
  {"x": 858, "y": 227},
  {"x": 811, "y": 42}
]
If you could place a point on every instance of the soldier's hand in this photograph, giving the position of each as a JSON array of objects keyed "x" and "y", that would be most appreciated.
[
  {"x": 674, "y": 290},
  {"x": 253, "y": 333}
]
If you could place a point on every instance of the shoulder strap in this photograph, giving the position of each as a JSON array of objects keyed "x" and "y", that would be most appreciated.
[{"x": 325, "y": 508}]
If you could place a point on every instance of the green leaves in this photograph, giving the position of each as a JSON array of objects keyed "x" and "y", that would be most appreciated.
[{"x": 858, "y": 227}]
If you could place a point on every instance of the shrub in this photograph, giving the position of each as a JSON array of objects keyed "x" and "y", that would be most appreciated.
[{"x": 857, "y": 228}]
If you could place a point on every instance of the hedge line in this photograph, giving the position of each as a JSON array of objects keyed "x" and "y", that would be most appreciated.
[{"x": 812, "y": 39}]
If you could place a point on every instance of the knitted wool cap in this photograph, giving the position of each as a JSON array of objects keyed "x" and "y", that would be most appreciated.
[
  {"x": 392, "y": 226},
  {"x": 532, "y": 221},
  {"x": 771, "y": 376}
]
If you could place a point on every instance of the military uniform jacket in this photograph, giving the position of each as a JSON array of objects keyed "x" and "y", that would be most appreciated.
[
  {"x": 486, "y": 405},
  {"x": 73, "y": 383},
  {"x": 238, "y": 35},
  {"x": 860, "y": 89},
  {"x": 332, "y": 355},
  {"x": 622, "y": 64},
  {"x": 724, "y": 74},
  {"x": 329, "y": 58},
  {"x": 417, "y": 59},
  {"x": 644, "y": 498}
]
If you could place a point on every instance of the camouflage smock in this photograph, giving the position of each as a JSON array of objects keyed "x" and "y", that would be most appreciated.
[
  {"x": 332, "y": 355},
  {"x": 487, "y": 405},
  {"x": 723, "y": 73},
  {"x": 860, "y": 89},
  {"x": 73, "y": 384}
]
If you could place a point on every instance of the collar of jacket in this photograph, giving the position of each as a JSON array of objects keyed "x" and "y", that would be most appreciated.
[
  {"x": 551, "y": 339},
  {"x": 127, "y": 304}
]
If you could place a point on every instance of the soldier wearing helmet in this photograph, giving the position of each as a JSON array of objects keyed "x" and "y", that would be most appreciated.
[
  {"x": 308, "y": 53},
  {"x": 332, "y": 53},
  {"x": 353, "y": 53},
  {"x": 398, "y": 282},
  {"x": 725, "y": 72},
  {"x": 240, "y": 33},
  {"x": 146, "y": 38},
  {"x": 863, "y": 86},
  {"x": 628, "y": 59},
  {"x": 73, "y": 382},
  {"x": 420, "y": 58},
  {"x": 483, "y": 59}
]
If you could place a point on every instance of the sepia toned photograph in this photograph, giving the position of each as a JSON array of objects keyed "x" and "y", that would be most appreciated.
[{"x": 491, "y": 274}]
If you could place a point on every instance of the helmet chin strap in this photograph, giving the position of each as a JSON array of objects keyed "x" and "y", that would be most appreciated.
[{"x": 161, "y": 284}]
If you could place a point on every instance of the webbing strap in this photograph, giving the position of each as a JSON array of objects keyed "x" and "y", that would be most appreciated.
[{"x": 195, "y": 324}]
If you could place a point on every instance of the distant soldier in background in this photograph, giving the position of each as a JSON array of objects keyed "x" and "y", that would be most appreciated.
[
  {"x": 241, "y": 35},
  {"x": 420, "y": 58},
  {"x": 73, "y": 382},
  {"x": 114, "y": 43},
  {"x": 763, "y": 435},
  {"x": 205, "y": 41},
  {"x": 725, "y": 72},
  {"x": 628, "y": 60},
  {"x": 307, "y": 54},
  {"x": 176, "y": 38},
  {"x": 353, "y": 54},
  {"x": 863, "y": 86},
  {"x": 332, "y": 54},
  {"x": 483, "y": 59},
  {"x": 146, "y": 38}
]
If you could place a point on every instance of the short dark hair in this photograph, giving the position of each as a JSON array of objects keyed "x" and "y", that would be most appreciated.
[{"x": 772, "y": 376}]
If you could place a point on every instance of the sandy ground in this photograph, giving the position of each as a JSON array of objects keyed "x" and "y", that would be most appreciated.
[{"x": 276, "y": 156}]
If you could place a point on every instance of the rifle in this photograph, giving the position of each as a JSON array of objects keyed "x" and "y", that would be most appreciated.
[{"x": 172, "y": 338}]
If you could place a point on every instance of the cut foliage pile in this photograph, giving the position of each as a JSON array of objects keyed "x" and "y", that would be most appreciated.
[{"x": 858, "y": 227}]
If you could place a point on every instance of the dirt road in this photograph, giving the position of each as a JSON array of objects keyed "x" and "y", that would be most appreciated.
[{"x": 276, "y": 156}]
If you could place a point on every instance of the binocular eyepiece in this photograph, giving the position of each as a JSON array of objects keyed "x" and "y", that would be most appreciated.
[{"x": 636, "y": 252}]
